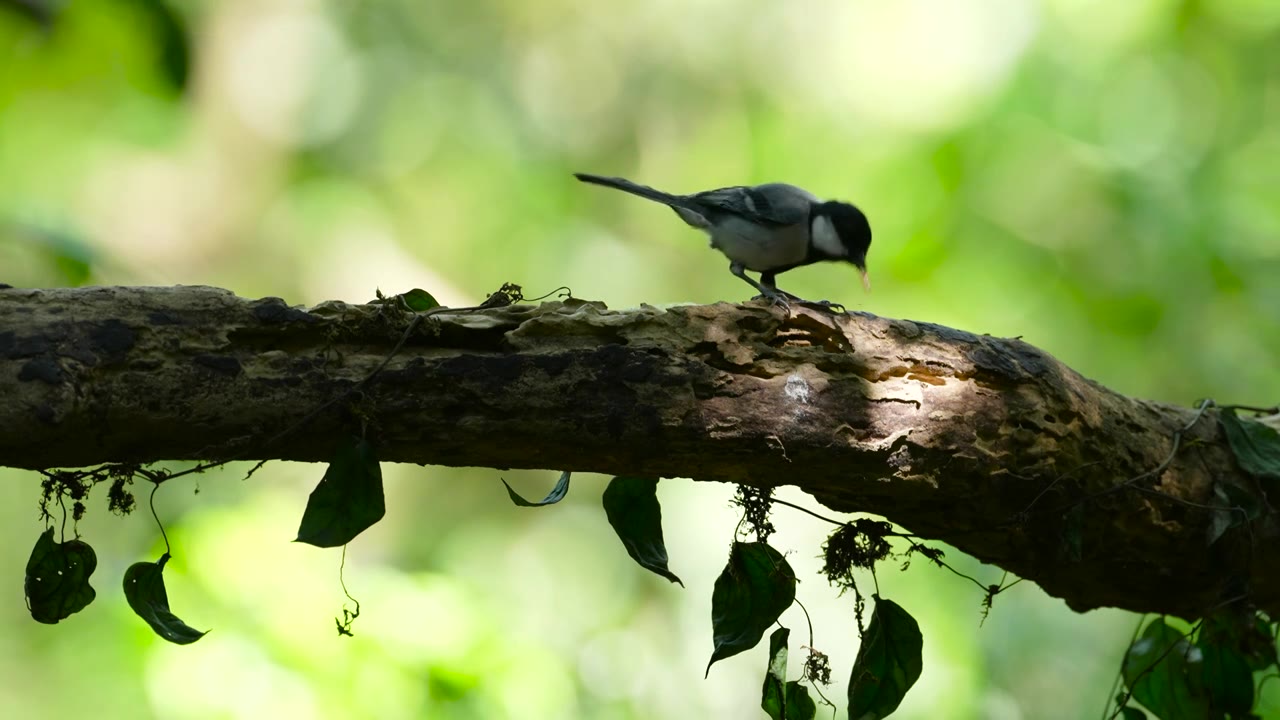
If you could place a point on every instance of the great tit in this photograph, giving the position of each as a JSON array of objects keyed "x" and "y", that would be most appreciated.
[{"x": 768, "y": 229}]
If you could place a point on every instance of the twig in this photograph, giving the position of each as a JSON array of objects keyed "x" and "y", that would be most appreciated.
[
  {"x": 152, "y": 503},
  {"x": 807, "y": 510},
  {"x": 348, "y": 617},
  {"x": 1159, "y": 469}
]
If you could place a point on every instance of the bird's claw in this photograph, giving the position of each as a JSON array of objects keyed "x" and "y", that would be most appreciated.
[
  {"x": 834, "y": 307},
  {"x": 779, "y": 299},
  {"x": 785, "y": 299}
]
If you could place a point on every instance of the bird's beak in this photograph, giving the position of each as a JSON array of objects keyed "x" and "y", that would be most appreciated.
[{"x": 866, "y": 281}]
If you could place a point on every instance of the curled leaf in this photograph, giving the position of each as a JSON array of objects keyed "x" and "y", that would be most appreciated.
[
  {"x": 889, "y": 662},
  {"x": 631, "y": 504},
  {"x": 556, "y": 495},
  {"x": 751, "y": 593},
  {"x": 348, "y": 499},
  {"x": 57, "y": 578},
  {"x": 144, "y": 589},
  {"x": 780, "y": 699},
  {"x": 773, "y": 696},
  {"x": 418, "y": 300}
]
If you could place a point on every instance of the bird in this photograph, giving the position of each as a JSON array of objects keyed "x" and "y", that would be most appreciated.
[{"x": 769, "y": 229}]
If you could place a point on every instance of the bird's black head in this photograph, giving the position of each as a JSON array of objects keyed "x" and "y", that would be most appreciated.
[{"x": 852, "y": 230}]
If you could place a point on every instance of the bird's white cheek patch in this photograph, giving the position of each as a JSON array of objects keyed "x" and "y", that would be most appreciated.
[{"x": 825, "y": 239}]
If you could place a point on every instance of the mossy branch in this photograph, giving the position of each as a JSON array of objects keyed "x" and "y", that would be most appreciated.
[{"x": 986, "y": 443}]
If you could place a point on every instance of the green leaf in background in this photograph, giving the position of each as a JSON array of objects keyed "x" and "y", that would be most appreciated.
[
  {"x": 631, "y": 504},
  {"x": 780, "y": 699},
  {"x": 889, "y": 662},
  {"x": 556, "y": 495},
  {"x": 144, "y": 589},
  {"x": 69, "y": 251},
  {"x": 348, "y": 499},
  {"x": 418, "y": 300},
  {"x": 1256, "y": 446},
  {"x": 169, "y": 34},
  {"x": 751, "y": 593},
  {"x": 1163, "y": 672},
  {"x": 1227, "y": 679},
  {"x": 1132, "y": 713},
  {"x": 57, "y": 580}
]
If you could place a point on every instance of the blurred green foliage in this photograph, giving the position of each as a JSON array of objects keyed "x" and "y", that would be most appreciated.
[{"x": 1101, "y": 178}]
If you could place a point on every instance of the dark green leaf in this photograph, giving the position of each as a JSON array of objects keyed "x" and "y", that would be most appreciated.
[
  {"x": 631, "y": 504},
  {"x": 348, "y": 499},
  {"x": 1249, "y": 504},
  {"x": 1245, "y": 632},
  {"x": 1133, "y": 713},
  {"x": 773, "y": 696},
  {"x": 418, "y": 300},
  {"x": 556, "y": 495},
  {"x": 1227, "y": 679},
  {"x": 1256, "y": 446},
  {"x": 754, "y": 589},
  {"x": 799, "y": 705},
  {"x": 1239, "y": 506},
  {"x": 1163, "y": 671},
  {"x": 57, "y": 580},
  {"x": 889, "y": 662},
  {"x": 144, "y": 589}
]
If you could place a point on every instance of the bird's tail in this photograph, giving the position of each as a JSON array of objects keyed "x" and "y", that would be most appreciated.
[{"x": 627, "y": 186}]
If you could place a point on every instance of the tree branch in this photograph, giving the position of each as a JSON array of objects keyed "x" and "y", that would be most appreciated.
[{"x": 985, "y": 443}]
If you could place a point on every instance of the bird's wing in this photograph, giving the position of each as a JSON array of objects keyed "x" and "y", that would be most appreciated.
[{"x": 774, "y": 204}]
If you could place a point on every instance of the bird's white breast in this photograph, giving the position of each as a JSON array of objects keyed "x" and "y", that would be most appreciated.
[{"x": 758, "y": 247}]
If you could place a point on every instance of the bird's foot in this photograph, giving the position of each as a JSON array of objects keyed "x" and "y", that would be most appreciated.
[
  {"x": 777, "y": 298},
  {"x": 833, "y": 307}
]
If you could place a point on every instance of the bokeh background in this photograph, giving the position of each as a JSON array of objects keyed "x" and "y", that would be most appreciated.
[{"x": 1099, "y": 177}]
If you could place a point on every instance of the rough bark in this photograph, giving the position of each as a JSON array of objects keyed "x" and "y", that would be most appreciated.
[{"x": 985, "y": 443}]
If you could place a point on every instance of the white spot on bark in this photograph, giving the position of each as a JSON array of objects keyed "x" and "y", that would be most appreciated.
[{"x": 797, "y": 389}]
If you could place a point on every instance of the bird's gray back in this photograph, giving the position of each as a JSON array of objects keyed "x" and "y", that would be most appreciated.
[{"x": 777, "y": 204}]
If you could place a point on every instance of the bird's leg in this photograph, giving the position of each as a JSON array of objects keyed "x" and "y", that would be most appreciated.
[
  {"x": 767, "y": 290},
  {"x": 769, "y": 281}
]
